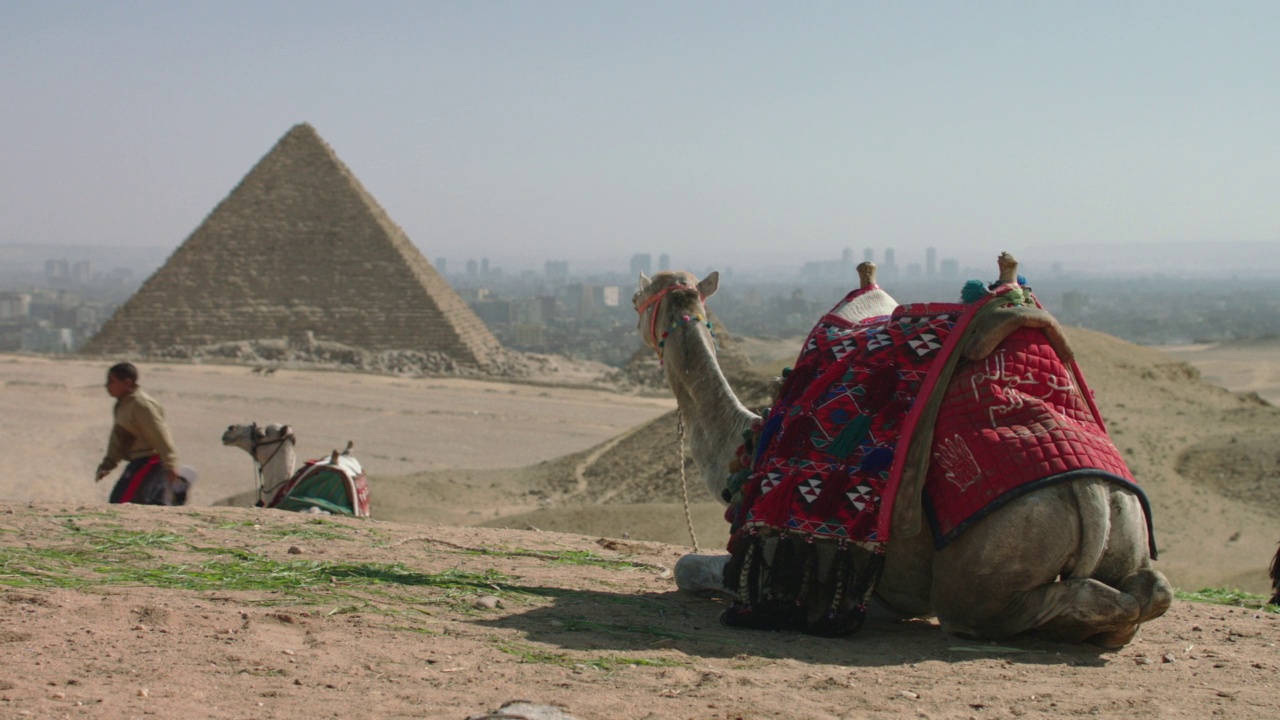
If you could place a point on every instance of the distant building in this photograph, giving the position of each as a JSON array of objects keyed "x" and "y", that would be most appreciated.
[
  {"x": 869, "y": 255},
  {"x": 44, "y": 339},
  {"x": 557, "y": 269},
  {"x": 931, "y": 263},
  {"x": 950, "y": 268},
  {"x": 530, "y": 335},
  {"x": 473, "y": 269},
  {"x": 14, "y": 305},
  {"x": 890, "y": 267},
  {"x": 57, "y": 270},
  {"x": 664, "y": 262},
  {"x": 581, "y": 297},
  {"x": 550, "y": 307},
  {"x": 495, "y": 312},
  {"x": 527, "y": 312},
  {"x": 641, "y": 263}
]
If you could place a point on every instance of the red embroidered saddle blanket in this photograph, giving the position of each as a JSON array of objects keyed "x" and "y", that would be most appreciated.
[
  {"x": 1011, "y": 423},
  {"x": 832, "y": 451}
]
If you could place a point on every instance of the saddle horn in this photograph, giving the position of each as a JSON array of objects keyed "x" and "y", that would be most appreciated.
[
  {"x": 867, "y": 275},
  {"x": 1008, "y": 269}
]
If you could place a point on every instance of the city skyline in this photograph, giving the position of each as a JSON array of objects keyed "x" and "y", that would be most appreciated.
[
  {"x": 722, "y": 134},
  {"x": 1201, "y": 260}
]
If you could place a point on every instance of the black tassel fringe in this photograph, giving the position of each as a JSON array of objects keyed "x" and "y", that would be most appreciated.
[{"x": 781, "y": 595}]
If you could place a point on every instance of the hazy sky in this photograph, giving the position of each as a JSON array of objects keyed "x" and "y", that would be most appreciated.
[{"x": 726, "y": 133}]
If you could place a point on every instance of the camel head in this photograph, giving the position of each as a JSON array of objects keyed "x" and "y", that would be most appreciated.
[
  {"x": 259, "y": 441},
  {"x": 671, "y": 298}
]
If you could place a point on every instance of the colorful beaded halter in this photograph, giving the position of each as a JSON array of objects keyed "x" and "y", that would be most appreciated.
[{"x": 652, "y": 304}]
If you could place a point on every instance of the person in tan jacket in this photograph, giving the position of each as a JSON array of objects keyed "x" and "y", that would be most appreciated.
[{"x": 141, "y": 438}]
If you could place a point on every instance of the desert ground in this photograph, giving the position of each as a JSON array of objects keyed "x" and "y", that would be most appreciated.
[
  {"x": 1243, "y": 366},
  {"x": 521, "y": 547}
]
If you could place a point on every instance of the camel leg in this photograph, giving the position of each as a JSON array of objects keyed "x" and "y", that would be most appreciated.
[
  {"x": 1005, "y": 575},
  {"x": 1070, "y": 610},
  {"x": 1154, "y": 595},
  {"x": 701, "y": 575},
  {"x": 903, "y": 588}
]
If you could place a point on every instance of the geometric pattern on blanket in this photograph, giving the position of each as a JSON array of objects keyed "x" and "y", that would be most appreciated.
[
  {"x": 828, "y": 445},
  {"x": 823, "y": 467}
]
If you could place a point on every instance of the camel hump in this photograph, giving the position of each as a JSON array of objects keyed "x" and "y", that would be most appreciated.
[{"x": 866, "y": 274}]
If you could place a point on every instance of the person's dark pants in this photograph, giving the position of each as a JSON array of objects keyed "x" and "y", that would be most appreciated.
[{"x": 142, "y": 483}]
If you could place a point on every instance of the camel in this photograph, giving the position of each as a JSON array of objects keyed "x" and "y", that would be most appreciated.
[
  {"x": 272, "y": 448},
  {"x": 1069, "y": 561}
]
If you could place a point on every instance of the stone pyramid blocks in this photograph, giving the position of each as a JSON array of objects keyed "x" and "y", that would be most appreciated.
[{"x": 299, "y": 245}]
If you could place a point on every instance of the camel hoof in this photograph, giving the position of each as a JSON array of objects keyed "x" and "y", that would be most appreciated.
[{"x": 701, "y": 575}]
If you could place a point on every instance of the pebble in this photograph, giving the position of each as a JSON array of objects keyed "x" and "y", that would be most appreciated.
[
  {"x": 909, "y": 695},
  {"x": 295, "y": 550},
  {"x": 487, "y": 602}
]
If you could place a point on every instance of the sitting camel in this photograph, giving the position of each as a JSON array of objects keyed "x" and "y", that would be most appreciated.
[
  {"x": 1069, "y": 559},
  {"x": 336, "y": 484}
]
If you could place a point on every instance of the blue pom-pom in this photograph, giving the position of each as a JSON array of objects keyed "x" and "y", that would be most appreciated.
[
  {"x": 876, "y": 460},
  {"x": 973, "y": 291},
  {"x": 1022, "y": 280}
]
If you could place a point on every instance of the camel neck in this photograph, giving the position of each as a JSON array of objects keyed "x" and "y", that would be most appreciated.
[
  {"x": 711, "y": 411},
  {"x": 278, "y": 466}
]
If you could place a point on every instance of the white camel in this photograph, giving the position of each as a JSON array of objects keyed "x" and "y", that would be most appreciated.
[
  {"x": 279, "y": 486},
  {"x": 1069, "y": 561},
  {"x": 272, "y": 448}
]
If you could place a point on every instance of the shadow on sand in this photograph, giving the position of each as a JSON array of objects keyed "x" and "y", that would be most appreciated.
[{"x": 593, "y": 621}]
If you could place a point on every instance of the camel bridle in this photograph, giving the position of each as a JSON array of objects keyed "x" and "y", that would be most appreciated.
[
  {"x": 654, "y": 302},
  {"x": 257, "y": 440}
]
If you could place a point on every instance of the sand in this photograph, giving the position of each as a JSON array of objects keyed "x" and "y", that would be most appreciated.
[{"x": 572, "y": 470}]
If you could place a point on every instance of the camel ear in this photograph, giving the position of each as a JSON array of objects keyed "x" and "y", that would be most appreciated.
[
  {"x": 644, "y": 282},
  {"x": 708, "y": 285},
  {"x": 286, "y": 431}
]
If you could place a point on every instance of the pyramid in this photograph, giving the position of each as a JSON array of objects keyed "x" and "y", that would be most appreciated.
[{"x": 298, "y": 246}]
